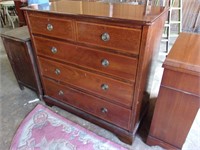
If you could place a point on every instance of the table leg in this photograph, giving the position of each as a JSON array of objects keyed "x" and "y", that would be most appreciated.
[{"x": 9, "y": 17}]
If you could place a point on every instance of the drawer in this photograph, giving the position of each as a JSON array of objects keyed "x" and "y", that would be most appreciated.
[
  {"x": 116, "y": 91},
  {"x": 181, "y": 81},
  {"x": 120, "y": 38},
  {"x": 50, "y": 26},
  {"x": 108, "y": 63},
  {"x": 110, "y": 112}
]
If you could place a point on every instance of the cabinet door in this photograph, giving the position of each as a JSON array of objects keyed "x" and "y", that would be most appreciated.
[{"x": 20, "y": 61}]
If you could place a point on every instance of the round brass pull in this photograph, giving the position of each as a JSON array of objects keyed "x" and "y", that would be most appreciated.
[
  {"x": 57, "y": 71},
  {"x": 105, "y": 62},
  {"x": 54, "y": 50},
  {"x": 104, "y": 87},
  {"x": 49, "y": 27},
  {"x": 104, "y": 110},
  {"x": 105, "y": 37},
  {"x": 60, "y": 93}
]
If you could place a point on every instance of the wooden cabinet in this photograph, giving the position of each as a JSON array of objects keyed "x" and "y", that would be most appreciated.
[
  {"x": 20, "y": 54},
  {"x": 95, "y": 64},
  {"x": 179, "y": 96},
  {"x": 20, "y": 14}
]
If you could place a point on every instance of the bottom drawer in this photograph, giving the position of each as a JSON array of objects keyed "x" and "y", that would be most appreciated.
[{"x": 100, "y": 108}]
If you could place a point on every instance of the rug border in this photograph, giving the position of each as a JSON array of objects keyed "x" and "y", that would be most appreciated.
[{"x": 59, "y": 116}]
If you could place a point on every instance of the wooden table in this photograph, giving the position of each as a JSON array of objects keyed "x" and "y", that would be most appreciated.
[{"x": 179, "y": 96}]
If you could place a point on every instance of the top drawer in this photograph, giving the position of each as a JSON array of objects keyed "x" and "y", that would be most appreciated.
[
  {"x": 51, "y": 26},
  {"x": 120, "y": 38}
]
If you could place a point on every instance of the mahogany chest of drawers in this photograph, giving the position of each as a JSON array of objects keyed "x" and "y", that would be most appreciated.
[
  {"x": 18, "y": 47},
  {"x": 94, "y": 58},
  {"x": 179, "y": 96}
]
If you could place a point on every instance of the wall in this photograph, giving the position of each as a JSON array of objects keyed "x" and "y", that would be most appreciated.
[{"x": 191, "y": 15}]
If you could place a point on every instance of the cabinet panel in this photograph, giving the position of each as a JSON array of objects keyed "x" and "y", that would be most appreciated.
[
  {"x": 173, "y": 116},
  {"x": 20, "y": 61},
  {"x": 182, "y": 81}
]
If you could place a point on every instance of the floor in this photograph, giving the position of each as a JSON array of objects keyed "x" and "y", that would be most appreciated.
[{"x": 16, "y": 104}]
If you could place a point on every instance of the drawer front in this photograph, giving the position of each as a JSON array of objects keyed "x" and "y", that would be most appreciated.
[
  {"x": 112, "y": 113},
  {"x": 120, "y": 66},
  {"x": 114, "y": 90},
  {"x": 120, "y": 38},
  {"x": 50, "y": 26},
  {"x": 181, "y": 81}
]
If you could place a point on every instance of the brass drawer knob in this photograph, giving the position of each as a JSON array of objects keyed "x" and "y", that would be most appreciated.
[
  {"x": 54, "y": 50},
  {"x": 104, "y": 110},
  {"x": 105, "y": 62},
  {"x": 105, "y": 37},
  {"x": 60, "y": 93},
  {"x": 57, "y": 71},
  {"x": 104, "y": 87},
  {"x": 49, "y": 27}
]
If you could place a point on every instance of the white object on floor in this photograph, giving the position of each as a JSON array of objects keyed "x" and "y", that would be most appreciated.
[
  {"x": 192, "y": 141},
  {"x": 32, "y": 101}
]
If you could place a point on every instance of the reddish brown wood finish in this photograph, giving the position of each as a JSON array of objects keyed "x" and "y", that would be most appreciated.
[
  {"x": 133, "y": 37},
  {"x": 185, "y": 55},
  {"x": 120, "y": 12},
  {"x": 149, "y": 51},
  {"x": 182, "y": 81},
  {"x": 179, "y": 96},
  {"x": 155, "y": 141},
  {"x": 120, "y": 66},
  {"x": 39, "y": 25},
  {"x": 122, "y": 134},
  {"x": 89, "y": 104},
  {"x": 20, "y": 14},
  {"x": 19, "y": 50},
  {"x": 124, "y": 39},
  {"x": 88, "y": 81}
]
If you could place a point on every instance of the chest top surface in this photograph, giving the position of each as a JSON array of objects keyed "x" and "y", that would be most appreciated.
[
  {"x": 103, "y": 10},
  {"x": 185, "y": 53}
]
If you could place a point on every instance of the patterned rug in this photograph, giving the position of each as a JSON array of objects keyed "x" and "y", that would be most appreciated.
[{"x": 43, "y": 129}]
